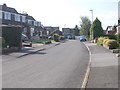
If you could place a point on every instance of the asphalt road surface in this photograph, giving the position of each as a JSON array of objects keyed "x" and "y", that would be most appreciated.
[{"x": 62, "y": 66}]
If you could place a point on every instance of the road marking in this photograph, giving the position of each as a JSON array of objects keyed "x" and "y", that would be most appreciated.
[{"x": 85, "y": 80}]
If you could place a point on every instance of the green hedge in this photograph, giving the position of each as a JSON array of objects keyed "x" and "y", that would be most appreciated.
[
  {"x": 112, "y": 36},
  {"x": 42, "y": 41},
  {"x": 2, "y": 42},
  {"x": 47, "y": 42},
  {"x": 12, "y": 35}
]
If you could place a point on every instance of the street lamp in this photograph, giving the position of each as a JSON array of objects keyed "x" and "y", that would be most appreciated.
[{"x": 92, "y": 24}]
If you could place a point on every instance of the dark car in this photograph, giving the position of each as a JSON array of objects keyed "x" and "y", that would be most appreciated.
[
  {"x": 26, "y": 41},
  {"x": 83, "y": 38}
]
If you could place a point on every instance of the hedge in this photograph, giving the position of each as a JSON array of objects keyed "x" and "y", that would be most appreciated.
[
  {"x": 12, "y": 35},
  {"x": 112, "y": 36},
  {"x": 47, "y": 42},
  {"x": 2, "y": 42},
  {"x": 109, "y": 43}
]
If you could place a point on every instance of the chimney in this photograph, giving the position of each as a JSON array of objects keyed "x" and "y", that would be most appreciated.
[{"x": 4, "y": 5}]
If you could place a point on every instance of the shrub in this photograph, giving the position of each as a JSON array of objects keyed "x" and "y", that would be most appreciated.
[
  {"x": 104, "y": 41},
  {"x": 111, "y": 36},
  {"x": 118, "y": 38},
  {"x": 101, "y": 40},
  {"x": 112, "y": 44},
  {"x": 56, "y": 37}
]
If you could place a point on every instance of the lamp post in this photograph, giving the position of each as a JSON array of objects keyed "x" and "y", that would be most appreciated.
[{"x": 92, "y": 24}]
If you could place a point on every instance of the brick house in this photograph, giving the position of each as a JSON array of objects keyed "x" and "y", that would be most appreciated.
[
  {"x": 68, "y": 33},
  {"x": 10, "y": 16},
  {"x": 52, "y": 30}
]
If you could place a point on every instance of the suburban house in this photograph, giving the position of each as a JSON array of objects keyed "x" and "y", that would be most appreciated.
[
  {"x": 111, "y": 30},
  {"x": 68, "y": 33},
  {"x": 52, "y": 30},
  {"x": 31, "y": 27}
]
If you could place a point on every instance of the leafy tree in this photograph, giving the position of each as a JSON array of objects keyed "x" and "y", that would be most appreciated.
[
  {"x": 96, "y": 29},
  {"x": 85, "y": 26}
]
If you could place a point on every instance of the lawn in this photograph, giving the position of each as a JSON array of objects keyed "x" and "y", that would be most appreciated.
[{"x": 42, "y": 41}]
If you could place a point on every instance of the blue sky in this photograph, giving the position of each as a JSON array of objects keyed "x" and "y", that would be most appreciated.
[{"x": 67, "y": 13}]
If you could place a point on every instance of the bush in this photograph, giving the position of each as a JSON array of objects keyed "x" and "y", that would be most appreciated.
[
  {"x": 118, "y": 38},
  {"x": 112, "y": 44},
  {"x": 104, "y": 41},
  {"x": 101, "y": 40},
  {"x": 56, "y": 37},
  {"x": 111, "y": 36}
]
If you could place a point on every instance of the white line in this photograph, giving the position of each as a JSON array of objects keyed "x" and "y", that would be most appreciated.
[{"x": 85, "y": 80}]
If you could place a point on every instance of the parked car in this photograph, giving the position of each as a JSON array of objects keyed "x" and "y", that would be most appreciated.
[
  {"x": 26, "y": 41},
  {"x": 83, "y": 38}
]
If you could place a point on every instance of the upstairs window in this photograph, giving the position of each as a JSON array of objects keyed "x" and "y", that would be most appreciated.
[
  {"x": 30, "y": 22},
  {"x": 17, "y": 17},
  {"x": 35, "y": 23},
  {"x": 23, "y": 19},
  {"x": 7, "y": 15}
]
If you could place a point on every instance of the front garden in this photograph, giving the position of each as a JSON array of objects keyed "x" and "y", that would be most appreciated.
[{"x": 111, "y": 42}]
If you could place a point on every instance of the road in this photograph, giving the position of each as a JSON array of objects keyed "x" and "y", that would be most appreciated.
[{"x": 62, "y": 66}]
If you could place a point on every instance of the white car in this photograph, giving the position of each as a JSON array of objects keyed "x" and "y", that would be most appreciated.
[{"x": 26, "y": 41}]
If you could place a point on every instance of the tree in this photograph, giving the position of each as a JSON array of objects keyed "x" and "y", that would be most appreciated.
[
  {"x": 85, "y": 26},
  {"x": 96, "y": 29},
  {"x": 76, "y": 32}
]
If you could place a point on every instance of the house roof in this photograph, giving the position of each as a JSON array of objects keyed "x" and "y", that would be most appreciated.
[
  {"x": 7, "y": 9},
  {"x": 29, "y": 17},
  {"x": 108, "y": 27}
]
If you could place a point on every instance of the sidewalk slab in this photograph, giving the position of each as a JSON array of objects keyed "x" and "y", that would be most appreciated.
[
  {"x": 104, "y": 68},
  {"x": 103, "y": 77}
]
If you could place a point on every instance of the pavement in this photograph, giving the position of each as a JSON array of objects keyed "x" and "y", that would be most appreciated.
[
  {"x": 29, "y": 50},
  {"x": 103, "y": 68}
]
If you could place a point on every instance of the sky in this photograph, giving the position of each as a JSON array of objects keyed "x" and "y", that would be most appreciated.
[{"x": 67, "y": 13}]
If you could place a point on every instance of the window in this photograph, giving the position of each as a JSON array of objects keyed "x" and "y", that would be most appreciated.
[
  {"x": 7, "y": 16},
  {"x": 1, "y": 14},
  {"x": 35, "y": 23},
  {"x": 17, "y": 17},
  {"x": 30, "y": 22},
  {"x": 39, "y": 23},
  {"x": 23, "y": 18}
]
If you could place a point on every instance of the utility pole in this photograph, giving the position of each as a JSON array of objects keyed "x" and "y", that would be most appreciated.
[{"x": 92, "y": 24}]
